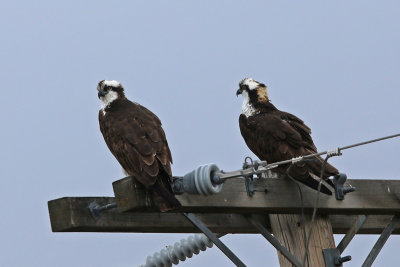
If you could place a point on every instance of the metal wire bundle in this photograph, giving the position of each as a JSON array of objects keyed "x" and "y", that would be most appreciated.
[{"x": 179, "y": 251}]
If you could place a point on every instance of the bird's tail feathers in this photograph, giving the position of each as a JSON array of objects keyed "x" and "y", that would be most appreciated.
[
  {"x": 316, "y": 165},
  {"x": 163, "y": 197},
  {"x": 310, "y": 181}
]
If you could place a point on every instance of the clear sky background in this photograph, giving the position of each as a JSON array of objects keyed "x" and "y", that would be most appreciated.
[{"x": 335, "y": 65}]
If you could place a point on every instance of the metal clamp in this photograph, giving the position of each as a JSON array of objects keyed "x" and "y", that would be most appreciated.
[
  {"x": 340, "y": 191},
  {"x": 249, "y": 186},
  {"x": 248, "y": 182}
]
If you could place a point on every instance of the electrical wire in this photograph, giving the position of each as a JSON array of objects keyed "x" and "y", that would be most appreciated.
[
  {"x": 263, "y": 166},
  {"x": 315, "y": 207},
  {"x": 333, "y": 151}
]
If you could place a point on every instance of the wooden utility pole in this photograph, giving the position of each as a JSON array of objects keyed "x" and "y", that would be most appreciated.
[
  {"x": 293, "y": 230},
  {"x": 288, "y": 229}
]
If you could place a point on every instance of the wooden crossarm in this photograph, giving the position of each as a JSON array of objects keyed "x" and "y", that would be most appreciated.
[
  {"x": 372, "y": 197},
  {"x": 71, "y": 214}
]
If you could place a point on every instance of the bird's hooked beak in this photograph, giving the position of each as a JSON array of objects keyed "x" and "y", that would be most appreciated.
[
  {"x": 239, "y": 91},
  {"x": 101, "y": 93}
]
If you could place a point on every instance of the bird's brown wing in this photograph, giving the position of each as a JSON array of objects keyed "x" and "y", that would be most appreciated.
[
  {"x": 308, "y": 144},
  {"x": 299, "y": 126},
  {"x": 278, "y": 136},
  {"x": 271, "y": 138},
  {"x": 135, "y": 137}
]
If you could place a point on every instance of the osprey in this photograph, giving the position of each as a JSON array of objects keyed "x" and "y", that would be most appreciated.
[
  {"x": 136, "y": 139},
  {"x": 275, "y": 135}
]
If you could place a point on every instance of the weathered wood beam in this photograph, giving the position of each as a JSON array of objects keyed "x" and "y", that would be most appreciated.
[
  {"x": 272, "y": 196},
  {"x": 71, "y": 214}
]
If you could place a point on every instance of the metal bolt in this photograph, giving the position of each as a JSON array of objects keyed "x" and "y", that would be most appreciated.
[
  {"x": 216, "y": 180},
  {"x": 96, "y": 209},
  {"x": 348, "y": 190},
  {"x": 340, "y": 260}
]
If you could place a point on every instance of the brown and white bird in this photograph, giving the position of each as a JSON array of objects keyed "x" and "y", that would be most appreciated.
[
  {"x": 136, "y": 139},
  {"x": 274, "y": 135}
]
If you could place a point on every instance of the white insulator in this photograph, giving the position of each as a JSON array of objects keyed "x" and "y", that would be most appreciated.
[
  {"x": 199, "y": 181},
  {"x": 179, "y": 251}
]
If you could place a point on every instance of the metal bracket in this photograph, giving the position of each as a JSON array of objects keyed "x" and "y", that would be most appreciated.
[
  {"x": 96, "y": 209},
  {"x": 340, "y": 191},
  {"x": 381, "y": 241},
  {"x": 332, "y": 255},
  {"x": 351, "y": 233},
  {"x": 249, "y": 186},
  {"x": 285, "y": 252},
  {"x": 248, "y": 180},
  {"x": 196, "y": 222}
]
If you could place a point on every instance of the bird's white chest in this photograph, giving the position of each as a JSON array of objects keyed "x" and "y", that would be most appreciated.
[
  {"x": 107, "y": 100},
  {"x": 247, "y": 108}
]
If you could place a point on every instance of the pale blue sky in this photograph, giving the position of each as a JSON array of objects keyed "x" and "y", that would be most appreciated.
[{"x": 335, "y": 65}]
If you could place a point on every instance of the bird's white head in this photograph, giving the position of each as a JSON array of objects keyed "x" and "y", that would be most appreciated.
[
  {"x": 109, "y": 91},
  {"x": 253, "y": 93},
  {"x": 250, "y": 83}
]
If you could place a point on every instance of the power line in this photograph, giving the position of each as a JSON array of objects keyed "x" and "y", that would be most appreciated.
[{"x": 262, "y": 166}]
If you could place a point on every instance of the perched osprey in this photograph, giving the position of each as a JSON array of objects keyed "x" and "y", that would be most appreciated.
[
  {"x": 275, "y": 135},
  {"x": 136, "y": 139}
]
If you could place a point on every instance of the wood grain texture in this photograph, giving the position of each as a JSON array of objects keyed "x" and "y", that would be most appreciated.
[
  {"x": 287, "y": 228},
  {"x": 132, "y": 195},
  {"x": 274, "y": 196},
  {"x": 71, "y": 214}
]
